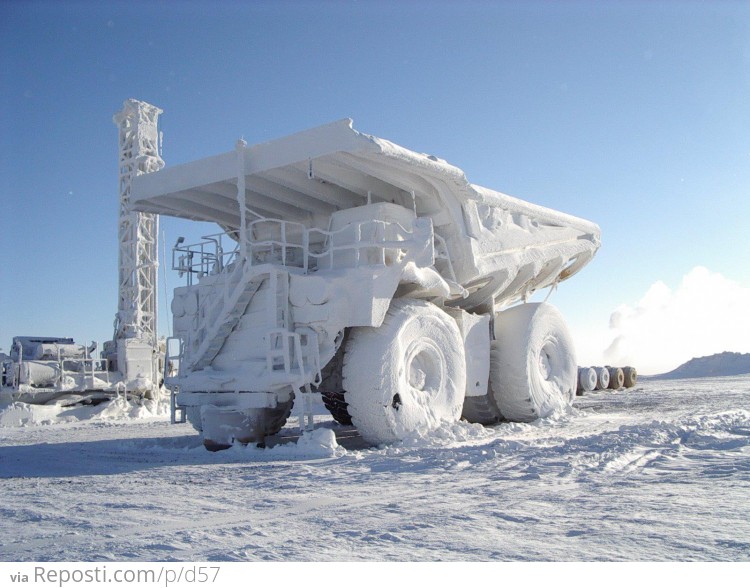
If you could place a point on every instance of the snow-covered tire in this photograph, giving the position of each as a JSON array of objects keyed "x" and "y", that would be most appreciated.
[
  {"x": 277, "y": 417},
  {"x": 332, "y": 388},
  {"x": 336, "y": 404},
  {"x": 587, "y": 380},
  {"x": 631, "y": 377},
  {"x": 482, "y": 410},
  {"x": 409, "y": 374},
  {"x": 221, "y": 427},
  {"x": 533, "y": 369},
  {"x": 602, "y": 382},
  {"x": 616, "y": 378}
]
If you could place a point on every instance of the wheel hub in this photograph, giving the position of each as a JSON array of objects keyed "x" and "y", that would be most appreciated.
[
  {"x": 425, "y": 367},
  {"x": 417, "y": 377},
  {"x": 545, "y": 363}
]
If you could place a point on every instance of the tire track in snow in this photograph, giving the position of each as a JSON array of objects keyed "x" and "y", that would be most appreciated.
[
  {"x": 649, "y": 469},
  {"x": 374, "y": 499}
]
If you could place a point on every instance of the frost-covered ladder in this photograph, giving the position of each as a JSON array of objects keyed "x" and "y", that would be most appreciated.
[
  {"x": 285, "y": 347},
  {"x": 279, "y": 353},
  {"x": 278, "y": 295}
]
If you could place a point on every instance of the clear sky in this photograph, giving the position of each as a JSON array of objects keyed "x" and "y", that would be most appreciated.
[{"x": 635, "y": 115}]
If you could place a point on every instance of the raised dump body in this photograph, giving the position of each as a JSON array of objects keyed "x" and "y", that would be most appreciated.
[{"x": 323, "y": 230}]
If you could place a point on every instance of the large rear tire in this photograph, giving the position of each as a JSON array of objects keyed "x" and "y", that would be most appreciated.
[
  {"x": 482, "y": 410},
  {"x": 533, "y": 370},
  {"x": 409, "y": 374},
  {"x": 332, "y": 388}
]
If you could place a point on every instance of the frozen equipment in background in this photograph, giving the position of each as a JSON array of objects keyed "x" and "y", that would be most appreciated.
[{"x": 46, "y": 369}]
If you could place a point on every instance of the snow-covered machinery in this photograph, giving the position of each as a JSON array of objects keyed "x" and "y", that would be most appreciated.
[
  {"x": 375, "y": 275},
  {"x": 45, "y": 369},
  {"x": 134, "y": 350}
]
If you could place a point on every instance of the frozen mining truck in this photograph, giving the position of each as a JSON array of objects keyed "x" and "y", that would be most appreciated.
[{"x": 372, "y": 274}]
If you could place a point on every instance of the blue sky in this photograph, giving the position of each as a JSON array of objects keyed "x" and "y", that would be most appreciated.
[{"x": 631, "y": 114}]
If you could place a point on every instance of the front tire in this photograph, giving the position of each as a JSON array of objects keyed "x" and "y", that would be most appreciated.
[
  {"x": 409, "y": 374},
  {"x": 276, "y": 418},
  {"x": 222, "y": 427},
  {"x": 533, "y": 369}
]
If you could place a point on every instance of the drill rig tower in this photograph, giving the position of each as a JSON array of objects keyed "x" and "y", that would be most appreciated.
[
  {"x": 48, "y": 369},
  {"x": 135, "y": 338}
]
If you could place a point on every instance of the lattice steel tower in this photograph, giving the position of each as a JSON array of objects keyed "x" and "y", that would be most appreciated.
[{"x": 138, "y": 232}]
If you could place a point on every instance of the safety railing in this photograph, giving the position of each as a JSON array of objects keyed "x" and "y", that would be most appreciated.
[
  {"x": 288, "y": 351},
  {"x": 209, "y": 256},
  {"x": 278, "y": 242},
  {"x": 84, "y": 371},
  {"x": 89, "y": 369},
  {"x": 443, "y": 261},
  {"x": 292, "y": 244},
  {"x": 172, "y": 362}
]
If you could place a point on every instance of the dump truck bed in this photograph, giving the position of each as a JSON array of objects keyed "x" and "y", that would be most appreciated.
[{"x": 498, "y": 245}]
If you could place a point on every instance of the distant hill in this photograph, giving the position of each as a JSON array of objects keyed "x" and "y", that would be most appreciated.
[{"x": 720, "y": 364}]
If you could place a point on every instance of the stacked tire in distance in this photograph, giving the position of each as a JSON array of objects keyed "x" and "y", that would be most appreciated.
[{"x": 604, "y": 378}]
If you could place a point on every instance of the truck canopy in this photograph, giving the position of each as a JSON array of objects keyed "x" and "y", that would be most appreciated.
[
  {"x": 307, "y": 176},
  {"x": 499, "y": 246}
]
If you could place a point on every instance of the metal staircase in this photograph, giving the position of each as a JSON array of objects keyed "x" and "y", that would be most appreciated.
[{"x": 240, "y": 288}]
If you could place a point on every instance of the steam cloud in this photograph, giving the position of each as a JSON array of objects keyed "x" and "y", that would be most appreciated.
[{"x": 706, "y": 314}]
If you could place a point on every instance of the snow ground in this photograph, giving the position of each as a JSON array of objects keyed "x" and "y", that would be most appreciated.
[{"x": 660, "y": 472}]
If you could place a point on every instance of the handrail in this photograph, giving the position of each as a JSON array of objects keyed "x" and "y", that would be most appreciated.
[
  {"x": 173, "y": 368},
  {"x": 329, "y": 238},
  {"x": 203, "y": 258},
  {"x": 102, "y": 371},
  {"x": 441, "y": 252},
  {"x": 283, "y": 239},
  {"x": 167, "y": 375}
]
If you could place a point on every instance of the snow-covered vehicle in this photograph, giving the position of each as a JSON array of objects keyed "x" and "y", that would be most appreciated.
[
  {"x": 373, "y": 274},
  {"x": 43, "y": 370},
  {"x": 40, "y": 369}
]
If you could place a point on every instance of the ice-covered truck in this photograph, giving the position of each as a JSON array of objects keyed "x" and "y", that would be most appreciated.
[{"x": 375, "y": 275}]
